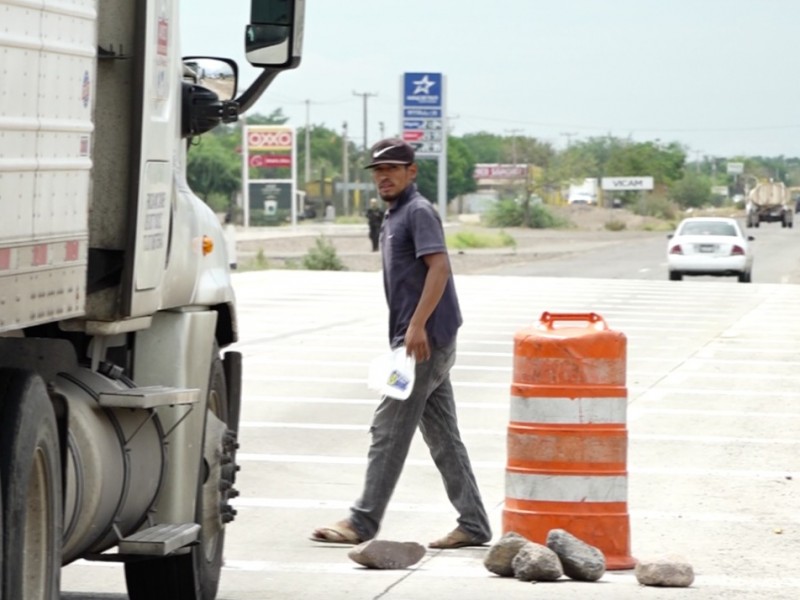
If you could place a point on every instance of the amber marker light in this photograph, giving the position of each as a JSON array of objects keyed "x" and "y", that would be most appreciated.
[{"x": 208, "y": 245}]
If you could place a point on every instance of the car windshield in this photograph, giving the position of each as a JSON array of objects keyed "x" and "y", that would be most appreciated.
[{"x": 708, "y": 228}]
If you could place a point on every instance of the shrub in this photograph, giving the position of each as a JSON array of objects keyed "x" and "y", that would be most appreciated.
[
  {"x": 322, "y": 257},
  {"x": 508, "y": 213},
  {"x": 505, "y": 213},
  {"x": 655, "y": 206},
  {"x": 476, "y": 239},
  {"x": 615, "y": 225},
  {"x": 542, "y": 218}
]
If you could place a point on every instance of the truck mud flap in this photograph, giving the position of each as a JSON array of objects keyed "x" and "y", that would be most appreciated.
[{"x": 232, "y": 364}]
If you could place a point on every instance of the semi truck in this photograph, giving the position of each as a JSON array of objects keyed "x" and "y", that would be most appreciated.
[
  {"x": 119, "y": 393},
  {"x": 769, "y": 202}
]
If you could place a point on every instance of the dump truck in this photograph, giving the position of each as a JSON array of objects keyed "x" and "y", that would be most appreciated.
[
  {"x": 119, "y": 397},
  {"x": 769, "y": 202}
]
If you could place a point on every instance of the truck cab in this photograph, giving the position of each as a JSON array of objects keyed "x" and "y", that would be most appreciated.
[{"x": 119, "y": 398}]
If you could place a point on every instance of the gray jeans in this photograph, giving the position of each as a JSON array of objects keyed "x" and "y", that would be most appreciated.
[{"x": 431, "y": 406}]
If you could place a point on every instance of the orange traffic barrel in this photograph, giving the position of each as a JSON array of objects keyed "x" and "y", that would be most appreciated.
[{"x": 567, "y": 437}]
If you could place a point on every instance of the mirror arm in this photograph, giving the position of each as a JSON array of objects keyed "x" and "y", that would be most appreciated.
[
  {"x": 202, "y": 110},
  {"x": 253, "y": 93}
]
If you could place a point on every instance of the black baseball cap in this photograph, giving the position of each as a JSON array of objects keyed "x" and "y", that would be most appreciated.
[{"x": 391, "y": 151}]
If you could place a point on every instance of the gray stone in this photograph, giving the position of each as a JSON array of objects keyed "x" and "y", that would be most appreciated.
[
  {"x": 535, "y": 562},
  {"x": 385, "y": 554},
  {"x": 580, "y": 561},
  {"x": 498, "y": 559},
  {"x": 670, "y": 570}
]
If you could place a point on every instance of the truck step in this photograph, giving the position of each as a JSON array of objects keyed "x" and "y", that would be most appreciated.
[
  {"x": 160, "y": 540},
  {"x": 149, "y": 397}
]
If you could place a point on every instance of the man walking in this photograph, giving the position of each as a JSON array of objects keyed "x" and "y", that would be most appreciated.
[
  {"x": 374, "y": 220},
  {"x": 424, "y": 316}
]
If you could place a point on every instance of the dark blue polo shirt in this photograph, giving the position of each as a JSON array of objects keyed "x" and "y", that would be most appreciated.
[{"x": 411, "y": 229}]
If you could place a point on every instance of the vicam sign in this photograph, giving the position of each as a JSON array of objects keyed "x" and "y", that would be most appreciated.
[{"x": 627, "y": 183}]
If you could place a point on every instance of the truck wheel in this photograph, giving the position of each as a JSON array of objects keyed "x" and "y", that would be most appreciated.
[
  {"x": 30, "y": 469},
  {"x": 1, "y": 538},
  {"x": 675, "y": 276},
  {"x": 195, "y": 575}
]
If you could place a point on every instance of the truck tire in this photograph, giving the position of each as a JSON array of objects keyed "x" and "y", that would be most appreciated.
[
  {"x": 194, "y": 575},
  {"x": 30, "y": 469},
  {"x": 1, "y": 538}
]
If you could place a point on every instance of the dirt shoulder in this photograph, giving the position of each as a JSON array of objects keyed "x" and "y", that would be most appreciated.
[{"x": 285, "y": 247}]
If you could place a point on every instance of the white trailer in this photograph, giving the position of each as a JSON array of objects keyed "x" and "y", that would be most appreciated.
[{"x": 118, "y": 408}]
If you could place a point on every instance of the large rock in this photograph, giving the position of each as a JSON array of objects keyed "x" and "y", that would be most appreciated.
[
  {"x": 535, "y": 562},
  {"x": 670, "y": 570},
  {"x": 501, "y": 554},
  {"x": 579, "y": 560},
  {"x": 385, "y": 554}
]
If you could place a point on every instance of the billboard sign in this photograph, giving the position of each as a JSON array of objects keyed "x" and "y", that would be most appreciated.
[
  {"x": 422, "y": 113},
  {"x": 269, "y": 138},
  {"x": 269, "y": 153},
  {"x": 627, "y": 183},
  {"x": 500, "y": 171},
  {"x": 735, "y": 168}
]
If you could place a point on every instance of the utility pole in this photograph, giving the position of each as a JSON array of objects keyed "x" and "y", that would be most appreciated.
[
  {"x": 381, "y": 127},
  {"x": 513, "y": 133},
  {"x": 698, "y": 154},
  {"x": 345, "y": 170},
  {"x": 365, "y": 96},
  {"x": 449, "y": 127},
  {"x": 308, "y": 142},
  {"x": 568, "y": 135}
]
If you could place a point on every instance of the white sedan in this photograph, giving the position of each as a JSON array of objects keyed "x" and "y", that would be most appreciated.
[{"x": 710, "y": 246}]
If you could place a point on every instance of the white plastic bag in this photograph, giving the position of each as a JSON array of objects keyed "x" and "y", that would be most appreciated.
[{"x": 392, "y": 374}]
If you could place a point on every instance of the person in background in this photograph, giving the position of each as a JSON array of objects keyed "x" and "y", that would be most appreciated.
[
  {"x": 374, "y": 220},
  {"x": 424, "y": 316}
]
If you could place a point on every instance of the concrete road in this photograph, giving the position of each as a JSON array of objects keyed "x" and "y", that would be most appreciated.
[{"x": 713, "y": 376}]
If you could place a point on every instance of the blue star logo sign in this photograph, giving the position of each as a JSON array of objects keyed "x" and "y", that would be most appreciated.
[
  {"x": 423, "y": 86},
  {"x": 423, "y": 89}
]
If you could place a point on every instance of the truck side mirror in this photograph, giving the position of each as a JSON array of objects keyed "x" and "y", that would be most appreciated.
[
  {"x": 274, "y": 38},
  {"x": 216, "y": 74}
]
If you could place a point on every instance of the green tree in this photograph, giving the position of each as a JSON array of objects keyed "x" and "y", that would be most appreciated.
[
  {"x": 485, "y": 147},
  {"x": 491, "y": 148},
  {"x": 693, "y": 191},
  {"x": 460, "y": 167},
  {"x": 214, "y": 171},
  {"x": 276, "y": 117},
  {"x": 326, "y": 153}
]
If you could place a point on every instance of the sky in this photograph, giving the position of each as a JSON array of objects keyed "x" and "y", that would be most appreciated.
[{"x": 719, "y": 77}]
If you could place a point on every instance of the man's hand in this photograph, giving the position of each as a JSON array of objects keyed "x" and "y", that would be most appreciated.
[
  {"x": 435, "y": 282},
  {"x": 417, "y": 343}
]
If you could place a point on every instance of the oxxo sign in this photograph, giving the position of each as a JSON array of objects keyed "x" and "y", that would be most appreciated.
[
  {"x": 269, "y": 152},
  {"x": 278, "y": 139},
  {"x": 627, "y": 183}
]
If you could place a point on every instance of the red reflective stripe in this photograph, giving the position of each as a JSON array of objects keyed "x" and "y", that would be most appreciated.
[
  {"x": 5, "y": 259},
  {"x": 40, "y": 255},
  {"x": 71, "y": 250}
]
